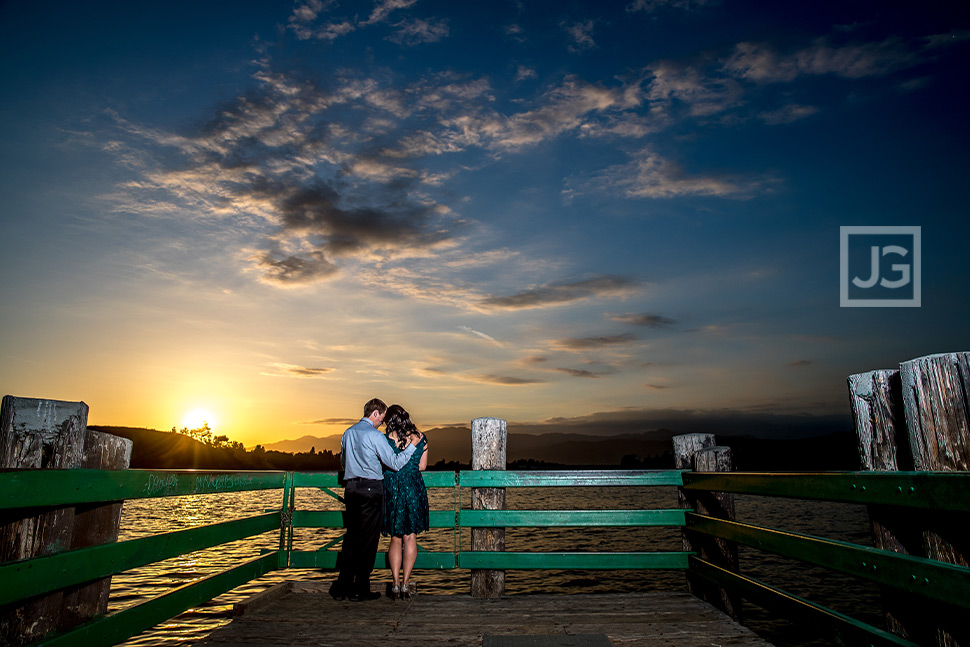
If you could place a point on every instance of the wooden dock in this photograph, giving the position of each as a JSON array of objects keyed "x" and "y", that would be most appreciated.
[{"x": 302, "y": 613}]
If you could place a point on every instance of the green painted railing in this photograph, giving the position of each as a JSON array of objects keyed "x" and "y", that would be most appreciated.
[
  {"x": 26, "y": 493},
  {"x": 940, "y": 493},
  {"x": 458, "y": 518}
]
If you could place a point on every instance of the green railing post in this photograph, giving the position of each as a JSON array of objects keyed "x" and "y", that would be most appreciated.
[{"x": 286, "y": 520}]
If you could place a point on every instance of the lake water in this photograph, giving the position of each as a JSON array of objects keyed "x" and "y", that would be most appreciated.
[{"x": 835, "y": 521}]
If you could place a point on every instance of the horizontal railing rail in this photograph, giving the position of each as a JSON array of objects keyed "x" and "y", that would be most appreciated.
[
  {"x": 948, "y": 491},
  {"x": 47, "y": 488},
  {"x": 918, "y": 575},
  {"x": 459, "y": 519},
  {"x": 906, "y": 492},
  {"x": 27, "y": 578},
  {"x": 844, "y": 629},
  {"x": 24, "y": 493}
]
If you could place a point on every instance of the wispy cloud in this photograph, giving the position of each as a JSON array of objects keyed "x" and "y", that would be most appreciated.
[
  {"x": 480, "y": 334},
  {"x": 330, "y": 421},
  {"x": 504, "y": 380},
  {"x": 523, "y": 73},
  {"x": 578, "y": 372},
  {"x": 648, "y": 175},
  {"x": 581, "y": 35},
  {"x": 418, "y": 32},
  {"x": 787, "y": 114},
  {"x": 702, "y": 93},
  {"x": 556, "y": 294},
  {"x": 591, "y": 343},
  {"x": 645, "y": 319},
  {"x": 763, "y": 64},
  {"x": 280, "y": 369},
  {"x": 650, "y": 6},
  {"x": 302, "y": 21}
]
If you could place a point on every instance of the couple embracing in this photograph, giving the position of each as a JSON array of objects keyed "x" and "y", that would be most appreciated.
[{"x": 384, "y": 494}]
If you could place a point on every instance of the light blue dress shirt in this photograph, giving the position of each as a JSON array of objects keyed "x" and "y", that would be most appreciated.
[{"x": 363, "y": 449}]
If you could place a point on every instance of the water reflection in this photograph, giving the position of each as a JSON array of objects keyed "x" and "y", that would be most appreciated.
[{"x": 835, "y": 521}]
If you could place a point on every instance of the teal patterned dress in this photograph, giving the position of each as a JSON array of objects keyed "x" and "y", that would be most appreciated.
[{"x": 405, "y": 497}]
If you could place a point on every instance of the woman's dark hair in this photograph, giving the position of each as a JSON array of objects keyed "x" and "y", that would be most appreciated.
[{"x": 398, "y": 422}]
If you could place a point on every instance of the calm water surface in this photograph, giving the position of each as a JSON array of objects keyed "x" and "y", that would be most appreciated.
[{"x": 834, "y": 521}]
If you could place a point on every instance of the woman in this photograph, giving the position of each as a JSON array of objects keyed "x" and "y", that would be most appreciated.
[{"x": 405, "y": 500}]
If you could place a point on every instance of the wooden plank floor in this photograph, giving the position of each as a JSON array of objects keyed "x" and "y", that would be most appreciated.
[{"x": 302, "y": 613}]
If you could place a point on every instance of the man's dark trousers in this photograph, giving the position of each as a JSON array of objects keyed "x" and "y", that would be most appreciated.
[{"x": 364, "y": 500}]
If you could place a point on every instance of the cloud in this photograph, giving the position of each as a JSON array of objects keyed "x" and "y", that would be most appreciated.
[
  {"x": 649, "y": 6},
  {"x": 762, "y": 64},
  {"x": 648, "y": 175},
  {"x": 383, "y": 9},
  {"x": 306, "y": 12},
  {"x": 275, "y": 163},
  {"x": 471, "y": 331},
  {"x": 556, "y": 294},
  {"x": 504, "y": 380},
  {"x": 646, "y": 320},
  {"x": 523, "y": 73},
  {"x": 581, "y": 34},
  {"x": 291, "y": 370},
  {"x": 787, "y": 114},
  {"x": 576, "y": 372},
  {"x": 591, "y": 343},
  {"x": 418, "y": 32},
  {"x": 566, "y": 107},
  {"x": 674, "y": 85},
  {"x": 954, "y": 37},
  {"x": 331, "y": 421},
  {"x": 801, "y": 362}
]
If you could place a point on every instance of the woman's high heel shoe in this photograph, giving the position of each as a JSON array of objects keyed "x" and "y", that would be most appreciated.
[{"x": 394, "y": 593}]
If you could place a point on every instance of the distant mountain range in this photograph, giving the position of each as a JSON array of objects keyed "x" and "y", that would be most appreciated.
[{"x": 453, "y": 444}]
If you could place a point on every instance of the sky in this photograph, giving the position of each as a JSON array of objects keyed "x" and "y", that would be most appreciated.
[{"x": 262, "y": 214}]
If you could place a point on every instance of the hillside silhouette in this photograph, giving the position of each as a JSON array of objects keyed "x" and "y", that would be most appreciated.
[
  {"x": 450, "y": 449},
  {"x": 152, "y": 449}
]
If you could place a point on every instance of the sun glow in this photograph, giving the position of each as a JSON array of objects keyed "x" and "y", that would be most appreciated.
[{"x": 196, "y": 418}]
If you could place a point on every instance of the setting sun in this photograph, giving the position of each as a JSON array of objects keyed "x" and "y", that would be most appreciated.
[{"x": 196, "y": 418}]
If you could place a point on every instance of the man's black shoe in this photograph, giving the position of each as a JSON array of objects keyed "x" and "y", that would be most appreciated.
[
  {"x": 365, "y": 596},
  {"x": 337, "y": 593}
]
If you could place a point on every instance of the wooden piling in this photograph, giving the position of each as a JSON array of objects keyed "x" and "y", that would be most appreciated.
[
  {"x": 51, "y": 434},
  {"x": 936, "y": 397},
  {"x": 488, "y": 453},
  {"x": 880, "y": 424},
  {"x": 698, "y": 452},
  {"x": 95, "y": 523}
]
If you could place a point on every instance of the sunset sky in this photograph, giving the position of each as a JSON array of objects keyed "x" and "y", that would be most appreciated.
[{"x": 270, "y": 212}]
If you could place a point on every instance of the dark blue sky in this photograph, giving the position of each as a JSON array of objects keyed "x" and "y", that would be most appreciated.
[{"x": 270, "y": 212}]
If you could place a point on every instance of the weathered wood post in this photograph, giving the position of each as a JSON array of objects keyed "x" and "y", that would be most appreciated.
[
  {"x": 698, "y": 452},
  {"x": 95, "y": 523},
  {"x": 39, "y": 434},
  {"x": 488, "y": 453},
  {"x": 880, "y": 425},
  {"x": 936, "y": 397}
]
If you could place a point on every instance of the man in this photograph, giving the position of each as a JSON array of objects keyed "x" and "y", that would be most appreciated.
[{"x": 363, "y": 449}]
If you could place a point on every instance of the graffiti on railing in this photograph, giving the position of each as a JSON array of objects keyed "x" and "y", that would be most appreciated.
[
  {"x": 161, "y": 484},
  {"x": 220, "y": 482}
]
